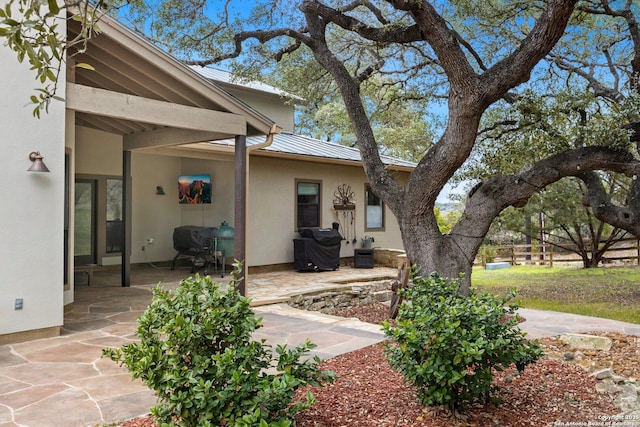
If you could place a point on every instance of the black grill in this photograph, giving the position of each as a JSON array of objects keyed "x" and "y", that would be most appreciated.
[
  {"x": 193, "y": 242},
  {"x": 318, "y": 249}
]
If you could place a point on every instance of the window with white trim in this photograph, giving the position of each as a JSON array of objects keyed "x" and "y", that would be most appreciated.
[
  {"x": 374, "y": 214},
  {"x": 307, "y": 203}
]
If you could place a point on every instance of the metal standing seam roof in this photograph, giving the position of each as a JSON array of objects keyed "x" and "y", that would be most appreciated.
[
  {"x": 287, "y": 142},
  {"x": 300, "y": 145},
  {"x": 221, "y": 76}
]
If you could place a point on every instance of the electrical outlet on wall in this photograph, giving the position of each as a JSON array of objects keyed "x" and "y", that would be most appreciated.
[
  {"x": 150, "y": 240},
  {"x": 18, "y": 304}
]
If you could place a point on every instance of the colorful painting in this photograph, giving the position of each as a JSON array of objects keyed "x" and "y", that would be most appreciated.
[{"x": 194, "y": 189}]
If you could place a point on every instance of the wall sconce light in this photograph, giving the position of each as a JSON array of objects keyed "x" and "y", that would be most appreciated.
[
  {"x": 160, "y": 190},
  {"x": 37, "y": 165}
]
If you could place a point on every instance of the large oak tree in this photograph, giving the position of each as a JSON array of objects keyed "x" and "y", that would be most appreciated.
[{"x": 416, "y": 37}]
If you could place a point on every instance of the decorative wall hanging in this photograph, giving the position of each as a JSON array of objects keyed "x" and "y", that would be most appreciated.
[
  {"x": 344, "y": 203},
  {"x": 194, "y": 189}
]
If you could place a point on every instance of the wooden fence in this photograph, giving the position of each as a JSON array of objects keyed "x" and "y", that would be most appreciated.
[{"x": 624, "y": 252}]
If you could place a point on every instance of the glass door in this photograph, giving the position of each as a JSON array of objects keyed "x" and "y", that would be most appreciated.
[
  {"x": 85, "y": 222},
  {"x": 115, "y": 226}
]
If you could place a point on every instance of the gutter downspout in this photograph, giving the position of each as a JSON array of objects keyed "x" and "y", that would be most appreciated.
[
  {"x": 242, "y": 200},
  {"x": 275, "y": 129}
]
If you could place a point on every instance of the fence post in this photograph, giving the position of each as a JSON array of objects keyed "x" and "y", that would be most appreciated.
[
  {"x": 484, "y": 256},
  {"x": 551, "y": 256}
]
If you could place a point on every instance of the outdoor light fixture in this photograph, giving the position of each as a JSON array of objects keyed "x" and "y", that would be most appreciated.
[
  {"x": 160, "y": 190},
  {"x": 37, "y": 165}
]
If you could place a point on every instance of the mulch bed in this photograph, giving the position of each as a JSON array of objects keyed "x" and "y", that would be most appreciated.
[{"x": 367, "y": 392}]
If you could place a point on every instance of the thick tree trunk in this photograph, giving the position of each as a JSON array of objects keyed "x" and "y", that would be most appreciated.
[
  {"x": 431, "y": 252},
  {"x": 592, "y": 262},
  {"x": 443, "y": 256}
]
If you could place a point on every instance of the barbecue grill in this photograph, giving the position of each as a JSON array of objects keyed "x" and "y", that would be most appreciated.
[
  {"x": 317, "y": 249},
  {"x": 193, "y": 242}
]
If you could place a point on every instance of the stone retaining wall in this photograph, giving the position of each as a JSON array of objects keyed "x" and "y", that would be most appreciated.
[
  {"x": 388, "y": 257},
  {"x": 331, "y": 300}
]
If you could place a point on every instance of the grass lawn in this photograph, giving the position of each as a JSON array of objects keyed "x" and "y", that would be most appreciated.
[{"x": 610, "y": 292}]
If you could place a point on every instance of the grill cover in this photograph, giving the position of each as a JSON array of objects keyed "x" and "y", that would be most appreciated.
[
  {"x": 323, "y": 236},
  {"x": 317, "y": 250},
  {"x": 191, "y": 238}
]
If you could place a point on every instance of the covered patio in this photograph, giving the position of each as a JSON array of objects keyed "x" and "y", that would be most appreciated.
[{"x": 141, "y": 100}]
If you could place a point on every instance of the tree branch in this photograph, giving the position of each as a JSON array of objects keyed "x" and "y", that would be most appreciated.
[
  {"x": 382, "y": 182},
  {"x": 599, "y": 89},
  {"x": 516, "y": 68},
  {"x": 262, "y": 37},
  {"x": 626, "y": 218},
  {"x": 393, "y": 34},
  {"x": 495, "y": 194},
  {"x": 366, "y": 3}
]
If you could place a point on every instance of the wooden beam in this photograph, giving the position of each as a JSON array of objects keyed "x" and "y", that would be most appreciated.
[
  {"x": 130, "y": 107},
  {"x": 166, "y": 137},
  {"x": 240, "y": 210}
]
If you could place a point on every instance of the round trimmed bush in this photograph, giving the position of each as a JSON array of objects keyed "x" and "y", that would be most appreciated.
[
  {"x": 197, "y": 354},
  {"x": 448, "y": 345}
]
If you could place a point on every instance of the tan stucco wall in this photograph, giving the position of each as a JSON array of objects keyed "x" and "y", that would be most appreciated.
[
  {"x": 98, "y": 152},
  {"x": 31, "y": 233},
  {"x": 271, "y": 105},
  {"x": 271, "y": 228},
  {"x": 271, "y": 224},
  {"x": 155, "y": 216}
]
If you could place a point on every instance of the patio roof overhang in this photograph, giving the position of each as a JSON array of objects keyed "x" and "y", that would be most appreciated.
[
  {"x": 135, "y": 88},
  {"x": 138, "y": 91}
]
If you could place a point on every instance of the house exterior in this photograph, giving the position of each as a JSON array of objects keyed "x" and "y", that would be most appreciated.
[{"x": 115, "y": 149}]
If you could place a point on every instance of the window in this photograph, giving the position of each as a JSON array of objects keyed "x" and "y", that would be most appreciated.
[
  {"x": 307, "y": 204},
  {"x": 114, "y": 216},
  {"x": 374, "y": 215}
]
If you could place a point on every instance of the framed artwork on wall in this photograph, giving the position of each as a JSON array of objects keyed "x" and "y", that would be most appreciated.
[{"x": 194, "y": 189}]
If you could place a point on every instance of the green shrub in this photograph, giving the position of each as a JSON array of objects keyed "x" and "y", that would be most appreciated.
[
  {"x": 447, "y": 344},
  {"x": 196, "y": 353}
]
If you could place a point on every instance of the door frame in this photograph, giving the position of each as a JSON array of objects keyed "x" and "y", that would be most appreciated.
[
  {"x": 100, "y": 236},
  {"x": 92, "y": 256}
]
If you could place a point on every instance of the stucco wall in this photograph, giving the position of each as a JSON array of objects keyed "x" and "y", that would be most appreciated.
[
  {"x": 271, "y": 228},
  {"x": 31, "y": 253},
  {"x": 98, "y": 152},
  {"x": 156, "y": 216},
  {"x": 271, "y": 105}
]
